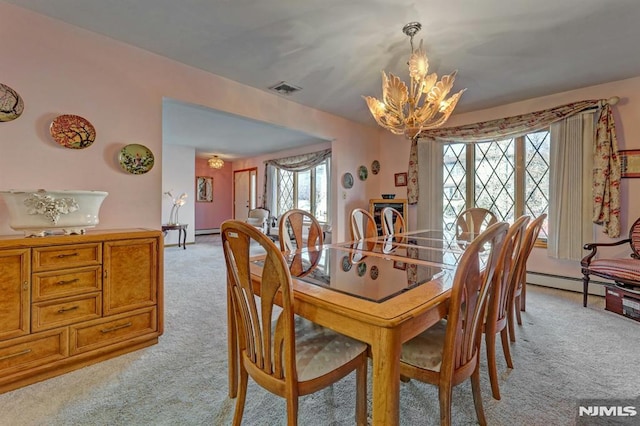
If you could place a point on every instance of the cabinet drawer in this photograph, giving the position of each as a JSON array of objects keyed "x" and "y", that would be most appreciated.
[
  {"x": 27, "y": 352},
  {"x": 49, "y": 285},
  {"x": 59, "y": 312},
  {"x": 69, "y": 256},
  {"x": 96, "y": 334}
]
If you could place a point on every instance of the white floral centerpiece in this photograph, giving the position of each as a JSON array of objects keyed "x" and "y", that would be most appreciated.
[{"x": 177, "y": 203}]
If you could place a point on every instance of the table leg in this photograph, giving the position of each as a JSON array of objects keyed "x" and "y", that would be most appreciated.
[
  {"x": 385, "y": 354},
  {"x": 232, "y": 347},
  {"x": 184, "y": 238}
]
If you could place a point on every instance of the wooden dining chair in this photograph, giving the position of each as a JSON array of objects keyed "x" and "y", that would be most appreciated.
[
  {"x": 392, "y": 221},
  {"x": 472, "y": 222},
  {"x": 518, "y": 295},
  {"x": 449, "y": 352},
  {"x": 500, "y": 300},
  {"x": 363, "y": 225},
  {"x": 284, "y": 353},
  {"x": 298, "y": 229}
]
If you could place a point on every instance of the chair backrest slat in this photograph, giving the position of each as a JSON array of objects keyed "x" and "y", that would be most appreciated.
[
  {"x": 472, "y": 222},
  {"x": 305, "y": 228},
  {"x": 363, "y": 225}
]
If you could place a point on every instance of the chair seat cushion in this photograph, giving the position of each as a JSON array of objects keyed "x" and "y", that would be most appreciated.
[
  {"x": 320, "y": 350},
  {"x": 425, "y": 350},
  {"x": 627, "y": 269},
  {"x": 255, "y": 221}
]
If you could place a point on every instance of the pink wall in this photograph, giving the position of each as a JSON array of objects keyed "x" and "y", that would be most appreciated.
[
  {"x": 211, "y": 215},
  {"x": 61, "y": 69}
]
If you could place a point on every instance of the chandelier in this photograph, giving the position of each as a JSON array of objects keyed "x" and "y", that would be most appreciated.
[
  {"x": 216, "y": 162},
  {"x": 424, "y": 105}
]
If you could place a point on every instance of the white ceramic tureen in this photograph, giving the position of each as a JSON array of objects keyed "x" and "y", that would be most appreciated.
[{"x": 39, "y": 211}]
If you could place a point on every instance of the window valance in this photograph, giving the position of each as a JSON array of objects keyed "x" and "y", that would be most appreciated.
[{"x": 300, "y": 163}]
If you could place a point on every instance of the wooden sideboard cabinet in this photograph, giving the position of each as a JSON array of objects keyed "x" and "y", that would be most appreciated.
[
  {"x": 377, "y": 204},
  {"x": 67, "y": 301}
]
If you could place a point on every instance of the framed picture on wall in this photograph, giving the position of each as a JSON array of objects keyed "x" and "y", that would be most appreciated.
[
  {"x": 400, "y": 179},
  {"x": 204, "y": 189},
  {"x": 630, "y": 163}
]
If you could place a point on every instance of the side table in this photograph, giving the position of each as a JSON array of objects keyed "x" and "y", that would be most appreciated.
[{"x": 182, "y": 232}]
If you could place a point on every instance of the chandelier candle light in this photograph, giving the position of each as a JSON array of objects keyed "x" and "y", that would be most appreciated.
[{"x": 422, "y": 106}]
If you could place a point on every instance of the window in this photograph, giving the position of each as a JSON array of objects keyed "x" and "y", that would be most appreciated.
[
  {"x": 508, "y": 177},
  {"x": 307, "y": 190}
]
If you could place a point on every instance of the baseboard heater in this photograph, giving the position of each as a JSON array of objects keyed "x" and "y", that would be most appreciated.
[{"x": 565, "y": 283}]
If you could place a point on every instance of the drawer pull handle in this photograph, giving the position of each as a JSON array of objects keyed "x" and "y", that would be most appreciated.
[
  {"x": 67, "y": 281},
  {"x": 61, "y": 256},
  {"x": 24, "y": 352},
  {"x": 63, "y": 310},
  {"x": 117, "y": 327}
]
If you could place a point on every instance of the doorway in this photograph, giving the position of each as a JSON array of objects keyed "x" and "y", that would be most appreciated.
[{"x": 245, "y": 192}]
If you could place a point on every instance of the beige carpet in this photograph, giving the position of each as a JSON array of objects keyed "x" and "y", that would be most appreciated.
[{"x": 564, "y": 353}]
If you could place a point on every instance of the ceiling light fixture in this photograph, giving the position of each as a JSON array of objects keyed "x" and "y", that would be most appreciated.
[
  {"x": 216, "y": 162},
  {"x": 424, "y": 105}
]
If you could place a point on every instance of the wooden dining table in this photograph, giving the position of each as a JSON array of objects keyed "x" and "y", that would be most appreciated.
[{"x": 382, "y": 291}]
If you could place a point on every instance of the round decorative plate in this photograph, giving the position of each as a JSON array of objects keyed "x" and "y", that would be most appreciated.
[
  {"x": 363, "y": 173},
  {"x": 72, "y": 131},
  {"x": 362, "y": 269},
  {"x": 136, "y": 159},
  {"x": 346, "y": 264},
  {"x": 374, "y": 272},
  {"x": 375, "y": 167},
  {"x": 11, "y": 103},
  {"x": 347, "y": 180}
]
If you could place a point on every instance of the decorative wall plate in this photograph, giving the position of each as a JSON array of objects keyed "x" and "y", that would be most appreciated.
[
  {"x": 72, "y": 131},
  {"x": 11, "y": 103},
  {"x": 347, "y": 180},
  {"x": 363, "y": 173},
  {"x": 374, "y": 272},
  {"x": 362, "y": 269},
  {"x": 136, "y": 159},
  {"x": 375, "y": 167},
  {"x": 346, "y": 264}
]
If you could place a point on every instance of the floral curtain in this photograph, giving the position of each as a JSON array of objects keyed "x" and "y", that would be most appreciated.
[
  {"x": 296, "y": 163},
  {"x": 606, "y": 171}
]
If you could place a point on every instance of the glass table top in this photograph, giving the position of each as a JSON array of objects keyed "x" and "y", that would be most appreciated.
[{"x": 368, "y": 277}]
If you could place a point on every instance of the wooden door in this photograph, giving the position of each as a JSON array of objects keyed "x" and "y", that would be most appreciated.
[
  {"x": 15, "y": 292},
  {"x": 244, "y": 192}
]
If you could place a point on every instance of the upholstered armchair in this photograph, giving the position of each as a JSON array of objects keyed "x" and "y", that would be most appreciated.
[
  {"x": 259, "y": 217},
  {"x": 623, "y": 271}
]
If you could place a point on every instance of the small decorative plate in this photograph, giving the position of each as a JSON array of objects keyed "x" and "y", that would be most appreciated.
[
  {"x": 347, "y": 180},
  {"x": 72, "y": 131},
  {"x": 11, "y": 103},
  {"x": 346, "y": 264},
  {"x": 373, "y": 272},
  {"x": 363, "y": 173},
  {"x": 362, "y": 269},
  {"x": 136, "y": 159},
  {"x": 375, "y": 167}
]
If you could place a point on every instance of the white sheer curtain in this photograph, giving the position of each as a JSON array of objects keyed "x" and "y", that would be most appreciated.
[
  {"x": 570, "y": 208},
  {"x": 430, "y": 183}
]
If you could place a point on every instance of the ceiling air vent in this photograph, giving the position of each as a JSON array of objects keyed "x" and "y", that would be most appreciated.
[{"x": 285, "y": 88}]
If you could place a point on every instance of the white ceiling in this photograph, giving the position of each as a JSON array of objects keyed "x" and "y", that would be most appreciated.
[{"x": 505, "y": 50}]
